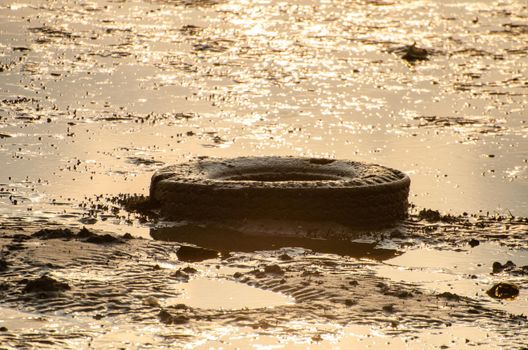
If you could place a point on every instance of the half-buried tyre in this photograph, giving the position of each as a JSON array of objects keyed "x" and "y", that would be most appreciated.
[{"x": 282, "y": 188}]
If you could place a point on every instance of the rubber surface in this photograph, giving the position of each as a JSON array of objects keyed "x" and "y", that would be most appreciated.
[{"x": 283, "y": 188}]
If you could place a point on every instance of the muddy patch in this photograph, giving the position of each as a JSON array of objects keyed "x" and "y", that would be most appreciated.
[{"x": 147, "y": 283}]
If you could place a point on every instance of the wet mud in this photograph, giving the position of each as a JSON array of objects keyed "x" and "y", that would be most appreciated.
[{"x": 331, "y": 281}]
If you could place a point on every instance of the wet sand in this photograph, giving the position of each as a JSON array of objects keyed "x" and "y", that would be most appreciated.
[
  {"x": 96, "y": 96},
  {"x": 100, "y": 288}
]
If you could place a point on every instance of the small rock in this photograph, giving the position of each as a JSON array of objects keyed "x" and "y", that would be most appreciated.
[
  {"x": 285, "y": 257},
  {"x": 509, "y": 265},
  {"x": 450, "y": 296},
  {"x": 414, "y": 53},
  {"x": 389, "y": 308},
  {"x": 85, "y": 233},
  {"x": 3, "y": 265},
  {"x": 503, "y": 290},
  {"x": 54, "y": 233},
  {"x": 127, "y": 236},
  {"x": 274, "y": 269},
  {"x": 402, "y": 294},
  {"x": 474, "y": 242},
  {"x": 259, "y": 274},
  {"x": 497, "y": 267},
  {"x": 45, "y": 284},
  {"x": 151, "y": 301},
  {"x": 382, "y": 286},
  {"x": 165, "y": 317},
  {"x": 190, "y": 270},
  {"x": 180, "y": 307},
  {"x": 430, "y": 215},
  {"x": 180, "y": 319},
  {"x": 3, "y": 329},
  {"x": 350, "y": 302},
  {"x": 181, "y": 276},
  {"x": 103, "y": 239},
  {"x": 308, "y": 273}
]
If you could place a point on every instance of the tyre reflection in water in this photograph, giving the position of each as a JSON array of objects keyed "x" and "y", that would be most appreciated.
[{"x": 225, "y": 239}]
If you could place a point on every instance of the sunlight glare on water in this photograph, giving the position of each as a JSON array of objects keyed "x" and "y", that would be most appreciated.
[{"x": 208, "y": 293}]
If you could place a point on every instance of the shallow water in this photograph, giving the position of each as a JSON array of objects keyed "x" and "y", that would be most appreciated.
[
  {"x": 208, "y": 293},
  {"x": 96, "y": 95},
  {"x": 365, "y": 338}
]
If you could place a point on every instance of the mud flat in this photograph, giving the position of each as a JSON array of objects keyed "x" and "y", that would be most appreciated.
[{"x": 74, "y": 288}]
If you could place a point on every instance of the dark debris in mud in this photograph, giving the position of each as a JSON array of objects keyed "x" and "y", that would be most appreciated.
[
  {"x": 473, "y": 126},
  {"x": 473, "y": 242},
  {"x": 84, "y": 235},
  {"x": 144, "y": 162},
  {"x": 510, "y": 268},
  {"x": 450, "y": 296},
  {"x": 3, "y": 265},
  {"x": 55, "y": 233},
  {"x": 176, "y": 319},
  {"x": 318, "y": 283},
  {"x": 45, "y": 284},
  {"x": 413, "y": 53},
  {"x": 433, "y": 227},
  {"x": 503, "y": 290},
  {"x": 139, "y": 204}
]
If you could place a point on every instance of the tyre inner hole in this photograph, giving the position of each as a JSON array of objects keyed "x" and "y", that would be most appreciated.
[{"x": 280, "y": 176}]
